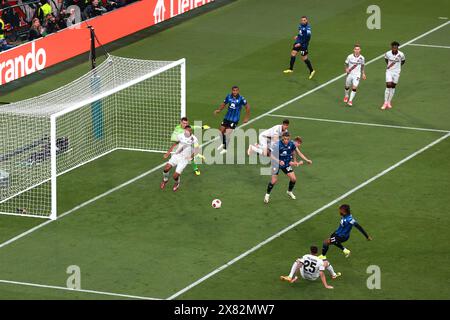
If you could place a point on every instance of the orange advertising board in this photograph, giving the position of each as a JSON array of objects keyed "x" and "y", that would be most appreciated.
[{"x": 70, "y": 42}]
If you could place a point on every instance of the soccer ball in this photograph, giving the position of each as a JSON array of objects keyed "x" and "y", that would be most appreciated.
[{"x": 216, "y": 203}]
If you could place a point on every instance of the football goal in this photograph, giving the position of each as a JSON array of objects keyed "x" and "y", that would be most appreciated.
[{"x": 124, "y": 103}]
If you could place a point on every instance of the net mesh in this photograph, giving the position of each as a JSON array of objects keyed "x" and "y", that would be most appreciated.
[{"x": 122, "y": 104}]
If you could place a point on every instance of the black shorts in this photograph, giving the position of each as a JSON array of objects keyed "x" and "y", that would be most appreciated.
[
  {"x": 337, "y": 239},
  {"x": 286, "y": 170},
  {"x": 229, "y": 124},
  {"x": 303, "y": 52}
]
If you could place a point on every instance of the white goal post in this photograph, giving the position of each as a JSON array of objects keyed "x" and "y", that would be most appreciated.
[{"x": 124, "y": 103}]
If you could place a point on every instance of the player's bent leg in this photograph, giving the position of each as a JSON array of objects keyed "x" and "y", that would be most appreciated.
[
  {"x": 325, "y": 247},
  {"x": 195, "y": 168},
  {"x": 270, "y": 186},
  {"x": 166, "y": 174},
  {"x": 352, "y": 96},
  {"x": 292, "y": 181},
  {"x": 387, "y": 94},
  {"x": 393, "y": 85}
]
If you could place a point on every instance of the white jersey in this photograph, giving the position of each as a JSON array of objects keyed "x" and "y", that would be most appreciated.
[
  {"x": 186, "y": 145},
  {"x": 273, "y": 132},
  {"x": 394, "y": 61},
  {"x": 311, "y": 267},
  {"x": 355, "y": 64}
]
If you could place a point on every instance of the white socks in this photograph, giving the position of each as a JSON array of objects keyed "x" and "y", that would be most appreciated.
[
  {"x": 389, "y": 94},
  {"x": 256, "y": 149},
  {"x": 166, "y": 176},
  {"x": 346, "y": 92},
  {"x": 331, "y": 270},
  {"x": 294, "y": 269},
  {"x": 392, "y": 94},
  {"x": 352, "y": 95}
]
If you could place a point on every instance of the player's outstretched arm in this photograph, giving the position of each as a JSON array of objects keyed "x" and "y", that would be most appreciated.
[
  {"x": 166, "y": 155},
  {"x": 221, "y": 107},
  {"x": 303, "y": 156},
  {"x": 324, "y": 280},
  {"x": 361, "y": 229},
  {"x": 247, "y": 113}
]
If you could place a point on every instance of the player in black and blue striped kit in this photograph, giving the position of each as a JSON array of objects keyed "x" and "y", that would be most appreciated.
[
  {"x": 283, "y": 158},
  {"x": 235, "y": 103},
  {"x": 301, "y": 46},
  {"x": 342, "y": 233}
]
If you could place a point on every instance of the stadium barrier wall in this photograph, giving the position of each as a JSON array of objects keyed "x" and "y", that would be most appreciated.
[{"x": 70, "y": 42}]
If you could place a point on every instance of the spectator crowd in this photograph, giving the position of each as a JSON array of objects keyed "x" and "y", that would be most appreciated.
[{"x": 26, "y": 20}]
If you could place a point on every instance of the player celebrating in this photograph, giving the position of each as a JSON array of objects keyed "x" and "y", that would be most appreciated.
[
  {"x": 185, "y": 152},
  {"x": 301, "y": 45},
  {"x": 282, "y": 159},
  {"x": 311, "y": 267},
  {"x": 354, "y": 67},
  {"x": 395, "y": 59},
  {"x": 235, "y": 103},
  {"x": 342, "y": 233},
  {"x": 180, "y": 129},
  {"x": 267, "y": 137}
]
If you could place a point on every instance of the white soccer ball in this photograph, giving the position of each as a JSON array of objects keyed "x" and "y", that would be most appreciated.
[{"x": 216, "y": 203}]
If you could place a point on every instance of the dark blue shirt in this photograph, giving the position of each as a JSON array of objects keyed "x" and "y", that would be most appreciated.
[
  {"x": 235, "y": 105},
  {"x": 304, "y": 35},
  {"x": 345, "y": 226},
  {"x": 284, "y": 152}
]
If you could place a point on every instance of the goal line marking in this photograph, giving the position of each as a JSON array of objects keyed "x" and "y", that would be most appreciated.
[
  {"x": 309, "y": 216},
  {"x": 28, "y": 284},
  {"x": 359, "y": 123}
]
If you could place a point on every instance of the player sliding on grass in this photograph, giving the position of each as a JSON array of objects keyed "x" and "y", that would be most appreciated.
[
  {"x": 311, "y": 268},
  {"x": 179, "y": 129},
  {"x": 395, "y": 59},
  {"x": 342, "y": 233},
  {"x": 354, "y": 67},
  {"x": 267, "y": 137},
  {"x": 185, "y": 152},
  {"x": 301, "y": 45},
  {"x": 235, "y": 103},
  {"x": 283, "y": 159}
]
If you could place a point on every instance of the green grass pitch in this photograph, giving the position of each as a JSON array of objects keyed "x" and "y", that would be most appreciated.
[{"x": 140, "y": 242}]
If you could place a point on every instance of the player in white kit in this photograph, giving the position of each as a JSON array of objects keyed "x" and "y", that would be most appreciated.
[
  {"x": 354, "y": 67},
  {"x": 187, "y": 148},
  {"x": 267, "y": 137},
  {"x": 311, "y": 267},
  {"x": 395, "y": 59}
]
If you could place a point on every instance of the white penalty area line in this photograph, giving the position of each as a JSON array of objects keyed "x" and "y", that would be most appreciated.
[
  {"x": 309, "y": 216},
  {"x": 359, "y": 123},
  {"x": 77, "y": 290},
  {"x": 428, "y": 45}
]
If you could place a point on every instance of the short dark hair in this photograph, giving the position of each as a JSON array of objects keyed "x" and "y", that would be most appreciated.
[
  {"x": 357, "y": 45},
  {"x": 286, "y": 121},
  {"x": 304, "y": 17},
  {"x": 286, "y": 134},
  {"x": 298, "y": 139},
  {"x": 184, "y": 119},
  {"x": 234, "y": 87},
  {"x": 188, "y": 127},
  {"x": 395, "y": 43},
  {"x": 314, "y": 249},
  {"x": 345, "y": 207}
]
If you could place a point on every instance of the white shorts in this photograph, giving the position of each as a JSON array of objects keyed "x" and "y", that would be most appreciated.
[
  {"x": 392, "y": 76},
  {"x": 352, "y": 80},
  {"x": 307, "y": 276},
  {"x": 178, "y": 161}
]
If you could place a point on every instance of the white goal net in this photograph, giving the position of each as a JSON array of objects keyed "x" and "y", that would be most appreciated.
[{"x": 122, "y": 104}]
